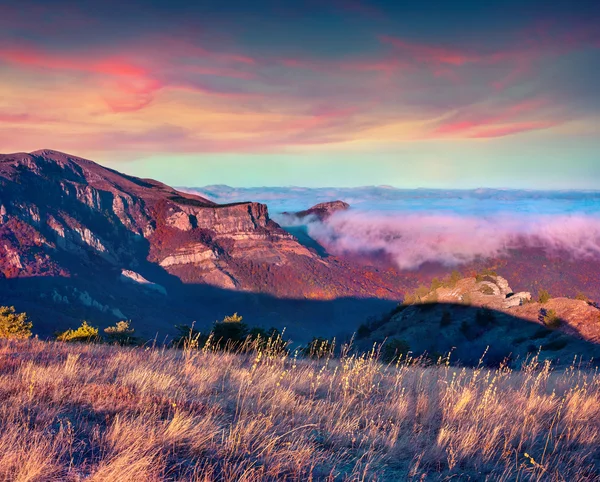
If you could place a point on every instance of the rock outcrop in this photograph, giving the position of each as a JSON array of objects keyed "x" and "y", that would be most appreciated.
[{"x": 323, "y": 210}]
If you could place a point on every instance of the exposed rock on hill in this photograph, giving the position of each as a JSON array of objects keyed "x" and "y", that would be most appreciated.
[
  {"x": 471, "y": 315},
  {"x": 324, "y": 210}
]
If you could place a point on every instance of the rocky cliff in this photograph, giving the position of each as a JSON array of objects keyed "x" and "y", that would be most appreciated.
[{"x": 67, "y": 218}]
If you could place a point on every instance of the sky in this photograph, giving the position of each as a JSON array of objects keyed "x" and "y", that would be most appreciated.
[{"x": 344, "y": 93}]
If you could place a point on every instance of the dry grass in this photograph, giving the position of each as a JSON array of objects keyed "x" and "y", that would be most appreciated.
[{"x": 101, "y": 413}]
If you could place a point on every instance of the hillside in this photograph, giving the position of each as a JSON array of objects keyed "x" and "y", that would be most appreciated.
[
  {"x": 473, "y": 315},
  {"x": 80, "y": 240},
  {"x": 101, "y": 413}
]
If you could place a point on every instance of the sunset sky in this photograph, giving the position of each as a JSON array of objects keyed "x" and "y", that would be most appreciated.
[{"x": 312, "y": 93}]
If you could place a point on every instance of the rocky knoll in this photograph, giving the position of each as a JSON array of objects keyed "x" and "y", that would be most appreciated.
[
  {"x": 471, "y": 315},
  {"x": 323, "y": 210}
]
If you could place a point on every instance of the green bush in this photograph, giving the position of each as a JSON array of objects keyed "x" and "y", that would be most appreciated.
[
  {"x": 230, "y": 332},
  {"x": 121, "y": 334},
  {"x": 446, "y": 319},
  {"x": 363, "y": 331},
  {"x": 556, "y": 345},
  {"x": 485, "y": 273},
  {"x": 393, "y": 349},
  {"x": 543, "y": 296},
  {"x": 85, "y": 333},
  {"x": 454, "y": 278},
  {"x": 435, "y": 284},
  {"x": 14, "y": 325},
  {"x": 552, "y": 320},
  {"x": 486, "y": 290}
]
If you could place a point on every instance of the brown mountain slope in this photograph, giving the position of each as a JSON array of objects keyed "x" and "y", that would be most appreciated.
[
  {"x": 473, "y": 315},
  {"x": 67, "y": 218}
]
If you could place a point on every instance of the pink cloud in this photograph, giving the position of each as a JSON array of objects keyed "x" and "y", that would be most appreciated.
[{"x": 430, "y": 53}]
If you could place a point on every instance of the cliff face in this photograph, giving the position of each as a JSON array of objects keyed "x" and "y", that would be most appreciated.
[{"x": 58, "y": 210}]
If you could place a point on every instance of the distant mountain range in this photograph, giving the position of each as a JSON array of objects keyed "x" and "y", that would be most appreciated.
[{"x": 294, "y": 198}]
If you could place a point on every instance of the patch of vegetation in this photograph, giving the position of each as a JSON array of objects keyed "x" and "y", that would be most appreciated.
[
  {"x": 544, "y": 296},
  {"x": 486, "y": 290},
  {"x": 84, "y": 334},
  {"x": 228, "y": 416},
  {"x": 446, "y": 319},
  {"x": 121, "y": 334},
  {"x": 540, "y": 333},
  {"x": 394, "y": 349},
  {"x": 363, "y": 331},
  {"x": 319, "y": 348},
  {"x": 556, "y": 345},
  {"x": 551, "y": 319},
  {"x": 13, "y": 324},
  {"x": 582, "y": 297},
  {"x": 485, "y": 274}
]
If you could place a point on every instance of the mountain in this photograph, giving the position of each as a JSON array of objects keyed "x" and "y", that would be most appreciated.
[{"x": 74, "y": 234}]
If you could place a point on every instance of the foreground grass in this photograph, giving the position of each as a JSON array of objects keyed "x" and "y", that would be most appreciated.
[{"x": 102, "y": 413}]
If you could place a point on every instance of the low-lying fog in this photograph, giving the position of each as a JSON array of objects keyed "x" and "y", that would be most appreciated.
[{"x": 450, "y": 227}]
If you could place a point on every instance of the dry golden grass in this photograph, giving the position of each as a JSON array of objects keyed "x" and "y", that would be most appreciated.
[{"x": 102, "y": 413}]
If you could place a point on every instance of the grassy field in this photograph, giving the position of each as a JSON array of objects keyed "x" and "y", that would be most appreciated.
[{"x": 74, "y": 412}]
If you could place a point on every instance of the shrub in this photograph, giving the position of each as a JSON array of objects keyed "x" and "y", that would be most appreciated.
[
  {"x": 551, "y": 319},
  {"x": 446, "y": 319},
  {"x": 121, "y": 334},
  {"x": 582, "y": 297},
  {"x": 14, "y": 325},
  {"x": 363, "y": 331},
  {"x": 486, "y": 290},
  {"x": 544, "y": 296},
  {"x": 188, "y": 338},
  {"x": 85, "y": 333},
  {"x": 556, "y": 345},
  {"x": 435, "y": 284},
  {"x": 393, "y": 349},
  {"x": 454, "y": 278},
  {"x": 485, "y": 273},
  {"x": 540, "y": 333},
  {"x": 230, "y": 332}
]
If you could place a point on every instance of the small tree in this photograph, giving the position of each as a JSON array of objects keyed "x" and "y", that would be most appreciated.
[
  {"x": 85, "y": 333},
  {"x": 393, "y": 349},
  {"x": 230, "y": 332},
  {"x": 121, "y": 333},
  {"x": 446, "y": 319},
  {"x": 544, "y": 296},
  {"x": 14, "y": 325},
  {"x": 551, "y": 319}
]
